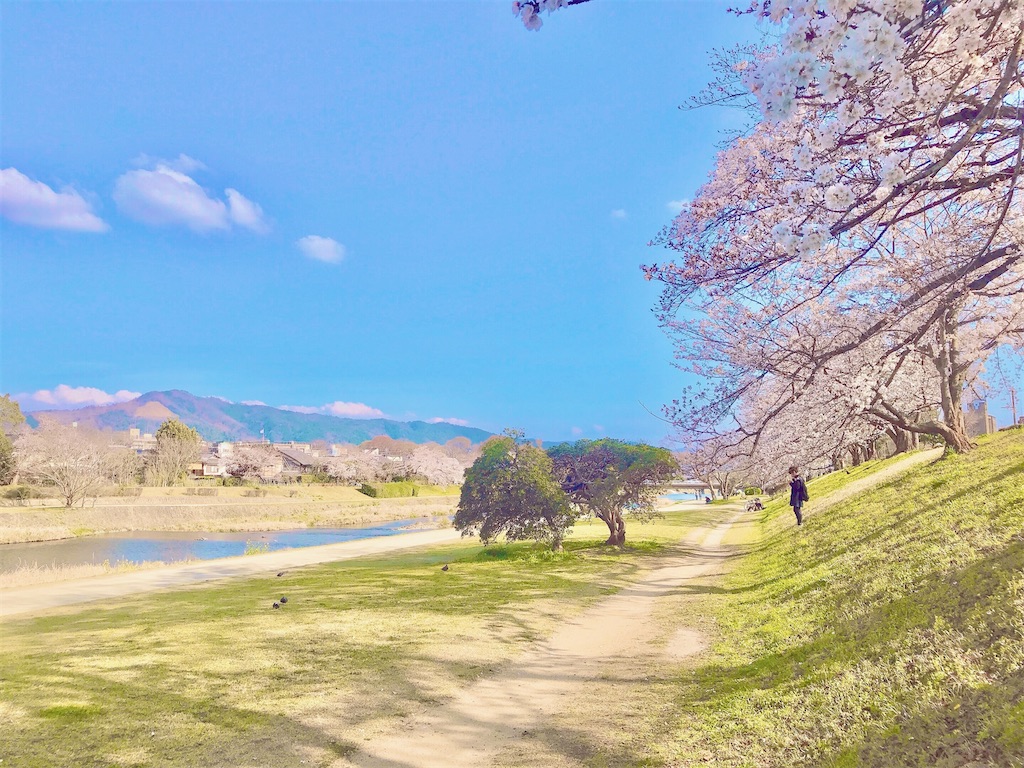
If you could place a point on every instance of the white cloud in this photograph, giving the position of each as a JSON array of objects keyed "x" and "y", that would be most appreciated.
[
  {"x": 35, "y": 204},
  {"x": 353, "y": 410},
  {"x": 338, "y": 408},
  {"x": 599, "y": 428},
  {"x": 168, "y": 196},
  {"x": 245, "y": 213},
  {"x": 577, "y": 431},
  {"x": 321, "y": 248},
  {"x": 253, "y": 402},
  {"x": 449, "y": 420},
  {"x": 619, "y": 213},
  {"x": 62, "y": 398},
  {"x": 182, "y": 163},
  {"x": 301, "y": 408},
  {"x": 675, "y": 206}
]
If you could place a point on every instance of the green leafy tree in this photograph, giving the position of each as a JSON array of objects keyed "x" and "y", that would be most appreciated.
[
  {"x": 510, "y": 490},
  {"x": 177, "y": 446},
  {"x": 608, "y": 478},
  {"x": 11, "y": 419}
]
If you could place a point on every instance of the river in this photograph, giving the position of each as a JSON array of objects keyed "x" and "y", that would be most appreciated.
[{"x": 174, "y": 546}]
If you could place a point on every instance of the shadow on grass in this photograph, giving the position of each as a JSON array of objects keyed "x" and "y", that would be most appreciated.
[
  {"x": 912, "y": 649},
  {"x": 192, "y": 659},
  {"x": 134, "y": 722}
]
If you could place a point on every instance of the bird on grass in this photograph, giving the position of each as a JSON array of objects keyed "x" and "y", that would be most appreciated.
[
  {"x": 277, "y": 605},
  {"x": 284, "y": 600},
  {"x": 282, "y": 573},
  {"x": 444, "y": 567}
]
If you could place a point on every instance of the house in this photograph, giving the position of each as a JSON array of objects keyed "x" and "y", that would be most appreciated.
[
  {"x": 209, "y": 465},
  {"x": 297, "y": 461}
]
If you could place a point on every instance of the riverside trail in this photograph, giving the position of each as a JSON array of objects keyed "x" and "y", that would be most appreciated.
[
  {"x": 501, "y": 714},
  {"x": 498, "y": 711}
]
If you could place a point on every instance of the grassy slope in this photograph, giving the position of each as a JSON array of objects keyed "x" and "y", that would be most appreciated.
[
  {"x": 887, "y": 631},
  {"x": 213, "y": 676}
]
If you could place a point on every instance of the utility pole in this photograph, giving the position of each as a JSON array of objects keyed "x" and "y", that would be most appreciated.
[{"x": 1013, "y": 404}]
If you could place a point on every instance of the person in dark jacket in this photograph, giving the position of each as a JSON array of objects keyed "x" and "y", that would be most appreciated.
[{"x": 797, "y": 494}]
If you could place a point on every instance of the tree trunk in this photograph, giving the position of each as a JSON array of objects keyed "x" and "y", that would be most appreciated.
[
  {"x": 902, "y": 439},
  {"x": 620, "y": 531},
  {"x": 952, "y": 373},
  {"x": 855, "y": 456},
  {"x": 616, "y": 528}
]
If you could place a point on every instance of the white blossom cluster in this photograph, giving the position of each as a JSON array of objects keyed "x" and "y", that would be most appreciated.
[{"x": 529, "y": 11}]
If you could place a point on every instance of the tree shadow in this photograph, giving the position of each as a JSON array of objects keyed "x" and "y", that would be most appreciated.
[{"x": 886, "y": 637}]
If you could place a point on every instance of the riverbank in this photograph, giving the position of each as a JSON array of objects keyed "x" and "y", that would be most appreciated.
[
  {"x": 43, "y": 597},
  {"x": 197, "y": 513},
  {"x": 182, "y": 677}
]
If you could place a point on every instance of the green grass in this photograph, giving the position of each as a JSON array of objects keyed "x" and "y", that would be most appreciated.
[
  {"x": 213, "y": 675},
  {"x": 889, "y": 630}
]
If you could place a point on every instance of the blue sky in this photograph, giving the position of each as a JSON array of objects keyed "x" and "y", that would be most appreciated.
[
  {"x": 481, "y": 196},
  {"x": 419, "y": 209}
]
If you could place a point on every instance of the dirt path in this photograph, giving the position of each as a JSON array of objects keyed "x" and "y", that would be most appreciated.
[
  {"x": 33, "y": 599},
  {"x": 494, "y": 712}
]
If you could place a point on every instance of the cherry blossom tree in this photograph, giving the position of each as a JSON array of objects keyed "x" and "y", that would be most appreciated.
[
  {"x": 431, "y": 462},
  {"x": 868, "y": 226},
  {"x": 254, "y": 461},
  {"x": 529, "y": 10}
]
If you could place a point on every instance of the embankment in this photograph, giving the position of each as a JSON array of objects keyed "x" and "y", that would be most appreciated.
[
  {"x": 888, "y": 630},
  {"x": 186, "y": 513}
]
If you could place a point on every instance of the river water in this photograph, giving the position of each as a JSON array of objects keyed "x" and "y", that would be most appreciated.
[{"x": 172, "y": 546}]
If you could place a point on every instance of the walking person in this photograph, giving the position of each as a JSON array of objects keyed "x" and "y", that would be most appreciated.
[{"x": 797, "y": 494}]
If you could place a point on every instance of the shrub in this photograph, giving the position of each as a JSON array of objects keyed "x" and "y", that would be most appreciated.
[
  {"x": 753, "y": 491},
  {"x": 255, "y": 492},
  {"x": 22, "y": 492},
  {"x": 389, "y": 490}
]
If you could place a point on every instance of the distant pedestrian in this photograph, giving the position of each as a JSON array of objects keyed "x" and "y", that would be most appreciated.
[{"x": 797, "y": 494}]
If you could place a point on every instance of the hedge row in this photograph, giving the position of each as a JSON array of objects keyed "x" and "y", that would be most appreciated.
[{"x": 390, "y": 490}]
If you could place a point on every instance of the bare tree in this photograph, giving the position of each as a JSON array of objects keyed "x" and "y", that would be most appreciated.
[
  {"x": 68, "y": 459},
  {"x": 462, "y": 448},
  {"x": 388, "y": 446},
  {"x": 122, "y": 466}
]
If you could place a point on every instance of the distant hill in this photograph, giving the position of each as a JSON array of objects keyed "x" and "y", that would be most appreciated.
[{"x": 217, "y": 419}]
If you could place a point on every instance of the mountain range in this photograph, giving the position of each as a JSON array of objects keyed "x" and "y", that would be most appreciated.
[{"x": 216, "y": 419}]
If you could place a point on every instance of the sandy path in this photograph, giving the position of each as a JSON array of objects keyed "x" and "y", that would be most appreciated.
[
  {"x": 494, "y": 712},
  {"x": 25, "y": 600}
]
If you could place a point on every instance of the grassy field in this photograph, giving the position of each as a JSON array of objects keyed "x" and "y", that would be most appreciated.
[
  {"x": 214, "y": 676},
  {"x": 889, "y": 630}
]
